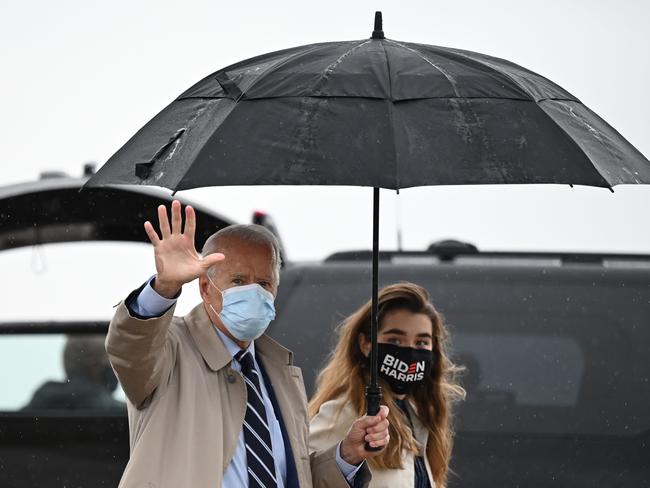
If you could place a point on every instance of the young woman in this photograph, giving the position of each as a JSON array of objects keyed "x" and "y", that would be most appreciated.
[{"x": 419, "y": 387}]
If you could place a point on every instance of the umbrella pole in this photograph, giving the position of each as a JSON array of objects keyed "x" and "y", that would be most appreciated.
[{"x": 373, "y": 390}]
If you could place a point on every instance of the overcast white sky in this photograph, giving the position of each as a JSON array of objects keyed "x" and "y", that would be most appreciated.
[{"x": 80, "y": 77}]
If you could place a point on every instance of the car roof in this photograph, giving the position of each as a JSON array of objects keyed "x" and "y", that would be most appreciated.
[
  {"x": 58, "y": 209},
  {"x": 518, "y": 259}
]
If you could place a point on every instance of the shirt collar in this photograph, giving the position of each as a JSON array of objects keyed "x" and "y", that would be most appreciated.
[{"x": 231, "y": 346}]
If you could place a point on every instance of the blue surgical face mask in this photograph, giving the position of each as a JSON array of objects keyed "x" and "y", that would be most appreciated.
[{"x": 246, "y": 311}]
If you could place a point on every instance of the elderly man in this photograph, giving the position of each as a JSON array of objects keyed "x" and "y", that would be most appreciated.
[{"x": 212, "y": 401}]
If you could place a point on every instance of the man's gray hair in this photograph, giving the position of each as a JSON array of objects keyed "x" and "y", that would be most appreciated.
[{"x": 252, "y": 233}]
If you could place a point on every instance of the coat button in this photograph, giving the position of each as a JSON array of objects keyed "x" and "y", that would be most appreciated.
[{"x": 231, "y": 378}]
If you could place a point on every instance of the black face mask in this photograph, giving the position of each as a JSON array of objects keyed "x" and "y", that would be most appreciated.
[{"x": 403, "y": 367}]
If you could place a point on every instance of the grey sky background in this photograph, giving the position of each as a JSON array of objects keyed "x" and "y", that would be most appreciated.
[{"x": 80, "y": 77}]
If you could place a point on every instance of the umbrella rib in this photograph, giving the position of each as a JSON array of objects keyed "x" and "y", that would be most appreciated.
[
  {"x": 276, "y": 67},
  {"x": 178, "y": 185},
  {"x": 390, "y": 118},
  {"x": 595, "y": 133},
  {"x": 505, "y": 74},
  {"x": 572, "y": 140},
  {"x": 332, "y": 66},
  {"x": 444, "y": 73},
  {"x": 564, "y": 132}
]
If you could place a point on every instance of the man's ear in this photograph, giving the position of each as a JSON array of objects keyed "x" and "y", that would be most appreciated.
[
  {"x": 364, "y": 344},
  {"x": 204, "y": 285}
]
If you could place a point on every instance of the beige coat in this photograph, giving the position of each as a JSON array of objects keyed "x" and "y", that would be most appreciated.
[
  {"x": 186, "y": 405},
  {"x": 326, "y": 426}
]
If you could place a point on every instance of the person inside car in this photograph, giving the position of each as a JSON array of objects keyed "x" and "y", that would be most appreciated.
[
  {"x": 89, "y": 384},
  {"x": 419, "y": 387}
]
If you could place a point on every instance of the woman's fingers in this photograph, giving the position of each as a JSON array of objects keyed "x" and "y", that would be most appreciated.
[
  {"x": 151, "y": 233},
  {"x": 176, "y": 217},
  {"x": 163, "y": 221}
]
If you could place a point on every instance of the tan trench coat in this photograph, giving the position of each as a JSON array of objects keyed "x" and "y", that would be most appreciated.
[
  {"x": 186, "y": 405},
  {"x": 326, "y": 426}
]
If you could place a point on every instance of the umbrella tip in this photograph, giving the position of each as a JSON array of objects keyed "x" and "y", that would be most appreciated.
[{"x": 378, "y": 33}]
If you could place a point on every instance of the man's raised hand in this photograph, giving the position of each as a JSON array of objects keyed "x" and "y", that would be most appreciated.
[{"x": 177, "y": 261}]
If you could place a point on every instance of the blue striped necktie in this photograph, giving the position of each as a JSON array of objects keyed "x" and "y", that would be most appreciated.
[{"x": 257, "y": 434}]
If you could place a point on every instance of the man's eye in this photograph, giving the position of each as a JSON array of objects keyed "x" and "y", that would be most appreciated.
[
  {"x": 237, "y": 281},
  {"x": 264, "y": 284},
  {"x": 394, "y": 340}
]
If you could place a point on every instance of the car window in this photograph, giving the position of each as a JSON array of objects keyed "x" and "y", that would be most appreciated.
[
  {"x": 522, "y": 369},
  {"x": 66, "y": 284},
  {"x": 57, "y": 373}
]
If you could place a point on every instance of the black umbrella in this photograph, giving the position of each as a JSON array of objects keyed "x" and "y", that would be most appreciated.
[{"x": 377, "y": 113}]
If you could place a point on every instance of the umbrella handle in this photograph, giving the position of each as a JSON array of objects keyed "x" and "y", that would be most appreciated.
[{"x": 373, "y": 402}]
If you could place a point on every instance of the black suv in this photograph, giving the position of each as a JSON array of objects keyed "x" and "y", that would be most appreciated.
[
  {"x": 556, "y": 350},
  {"x": 555, "y": 346}
]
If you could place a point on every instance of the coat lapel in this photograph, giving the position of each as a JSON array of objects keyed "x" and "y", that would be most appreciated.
[
  {"x": 421, "y": 435},
  {"x": 214, "y": 353},
  {"x": 289, "y": 390}
]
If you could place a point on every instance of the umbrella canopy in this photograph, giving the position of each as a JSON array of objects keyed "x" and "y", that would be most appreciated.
[
  {"x": 375, "y": 112},
  {"x": 379, "y": 113}
]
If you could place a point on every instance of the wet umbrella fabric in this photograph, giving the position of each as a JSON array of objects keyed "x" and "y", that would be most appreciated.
[{"x": 378, "y": 113}]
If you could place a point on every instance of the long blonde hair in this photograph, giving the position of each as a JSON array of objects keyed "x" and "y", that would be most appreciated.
[{"x": 346, "y": 374}]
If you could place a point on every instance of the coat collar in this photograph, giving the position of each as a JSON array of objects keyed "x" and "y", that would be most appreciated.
[
  {"x": 272, "y": 352},
  {"x": 214, "y": 351}
]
